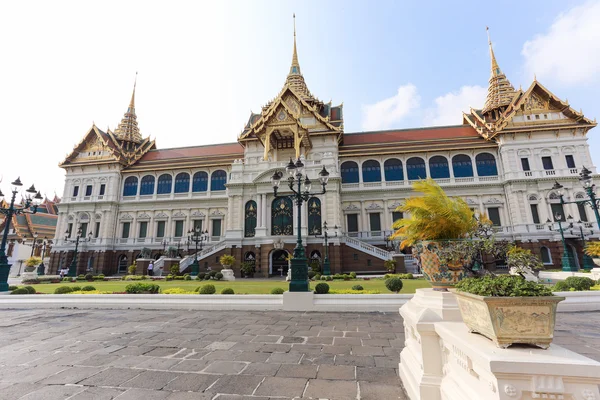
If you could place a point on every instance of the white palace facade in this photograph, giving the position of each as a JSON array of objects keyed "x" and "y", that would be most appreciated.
[{"x": 126, "y": 195}]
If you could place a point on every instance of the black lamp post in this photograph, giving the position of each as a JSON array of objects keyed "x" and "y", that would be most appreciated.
[
  {"x": 297, "y": 178},
  {"x": 41, "y": 269},
  {"x": 585, "y": 177},
  {"x": 35, "y": 235},
  {"x": 197, "y": 236},
  {"x": 568, "y": 264},
  {"x": 73, "y": 266},
  {"x": 164, "y": 244},
  {"x": 326, "y": 265},
  {"x": 29, "y": 207}
]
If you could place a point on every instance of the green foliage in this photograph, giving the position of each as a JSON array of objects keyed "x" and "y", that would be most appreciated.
[
  {"x": 201, "y": 276},
  {"x": 197, "y": 289},
  {"x": 207, "y": 289},
  {"x": 218, "y": 276},
  {"x": 574, "y": 283},
  {"x": 502, "y": 286},
  {"x": 401, "y": 276},
  {"x": 99, "y": 277},
  {"x": 338, "y": 276},
  {"x": 169, "y": 277},
  {"x": 247, "y": 268},
  {"x": 134, "y": 278},
  {"x": 187, "y": 277},
  {"x": 140, "y": 287},
  {"x": 11, "y": 288},
  {"x": 394, "y": 284},
  {"x": 352, "y": 275},
  {"x": 63, "y": 290},
  {"x": 329, "y": 278},
  {"x": 311, "y": 274},
  {"x": 277, "y": 290},
  {"x": 346, "y": 277},
  {"x": 176, "y": 291},
  {"x": 322, "y": 288},
  {"x": 131, "y": 269},
  {"x": 67, "y": 279},
  {"x": 317, "y": 277},
  {"x": 89, "y": 277},
  {"x": 323, "y": 277},
  {"x": 29, "y": 289},
  {"x": 390, "y": 265},
  {"x": 207, "y": 276},
  {"x": 357, "y": 287},
  {"x": 81, "y": 276},
  {"x": 75, "y": 288},
  {"x": 174, "y": 269},
  {"x": 33, "y": 261},
  {"x": 522, "y": 261},
  {"x": 227, "y": 291},
  {"x": 20, "y": 291},
  {"x": 88, "y": 288},
  {"x": 315, "y": 266},
  {"x": 592, "y": 249},
  {"x": 226, "y": 260}
]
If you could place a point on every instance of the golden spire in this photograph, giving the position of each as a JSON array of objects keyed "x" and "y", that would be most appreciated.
[
  {"x": 295, "y": 67},
  {"x": 295, "y": 80},
  {"x": 500, "y": 90},
  {"x": 128, "y": 130},
  {"x": 132, "y": 102},
  {"x": 495, "y": 68}
]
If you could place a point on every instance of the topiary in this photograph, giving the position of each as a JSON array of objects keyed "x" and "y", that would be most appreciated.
[
  {"x": 197, "y": 289},
  {"x": 201, "y": 276},
  {"x": 322, "y": 288},
  {"x": 561, "y": 286},
  {"x": 337, "y": 276},
  {"x": 62, "y": 290},
  {"x": 140, "y": 287},
  {"x": 357, "y": 287},
  {"x": 277, "y": 290},
  {"x": 212, "y": 273},
  {"x": 502, "y": 286},
  {"x": 329, "y": 278},
  {"x": 66, "y": 279},
  {"x": 353, "y": 275},
  {"x": 207, "y": 289},
  {"x": 169, "y": 277},
  {"x": 11, "y": 288},
  {"x": 20, "y": 291},
  {"x": 88, "y": 288},
  {"x": 227, "y": 291},
  {"x": 394, "y": 284},
  {"x": 218, "y": 276},
  {"x": 99, "y": 277},
  {"x": 311, "y": 274},
  {"x": 206, "y": 277},
  {"x": 317, "y": 277},
  {"x": 346, "y": 277},
  {"x": 323, "y": 277},
  {"x": 187, "y": 277},
  {"x": 579, "y": 282},
  {"x": 89, "y": 277},
  {"x": 30, "y": 289}
]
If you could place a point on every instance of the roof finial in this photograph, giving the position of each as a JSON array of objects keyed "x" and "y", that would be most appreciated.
[
  {"x": 535, "y": 77},
  {"x": 132, "y": 102},
  {"x": 495, "y": 67},
  {"x": 295, "y": 68}
]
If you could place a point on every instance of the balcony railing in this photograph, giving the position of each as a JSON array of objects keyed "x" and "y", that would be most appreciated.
[{"x": 444, "y": 181}]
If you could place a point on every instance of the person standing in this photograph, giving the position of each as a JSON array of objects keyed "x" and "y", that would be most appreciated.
[{"x": 151, "y": 269}]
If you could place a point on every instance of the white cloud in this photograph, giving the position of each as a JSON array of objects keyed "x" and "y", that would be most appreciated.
[
  {"x": 449, "y": 107},
  {"x": 570, "y": 51},
  {"x": 389, "y": 112}
]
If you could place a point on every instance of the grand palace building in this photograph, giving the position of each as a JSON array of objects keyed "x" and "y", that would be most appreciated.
[{"x": 125, "y": 197}]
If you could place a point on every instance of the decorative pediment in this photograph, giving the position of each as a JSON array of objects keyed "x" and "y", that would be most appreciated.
[
  {"x": 394, "y": 205},
  {"x": 217, "y": 213},
  {"x": 198, "y": 214},
  {"x": 179, "y": 214},
  {"x": 351, "y": 207},
  {"x": 98, "y": 216},
  {"x": 374, "y": 206},
  {"x": 143, "y": 216},
  {"x": 84, "y": 216},
  {"x": 93, "y": 148},
  {"x": 126, "y": 216},
  {"x": 471, "y": 202},
  {"x": 493, "y": 200},
  {"x": 161, "y": 215}
]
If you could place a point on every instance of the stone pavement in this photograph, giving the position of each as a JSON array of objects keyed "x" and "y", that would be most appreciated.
[{"x": 221, "y": 355}]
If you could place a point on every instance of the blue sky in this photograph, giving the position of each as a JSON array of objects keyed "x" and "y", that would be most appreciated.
[{"x": 204, "y": 65}]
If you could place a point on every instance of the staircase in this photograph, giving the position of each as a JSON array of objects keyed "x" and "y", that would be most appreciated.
[
  {"x": 368, "y": 248},
  {"x": 205, "y": 252}
]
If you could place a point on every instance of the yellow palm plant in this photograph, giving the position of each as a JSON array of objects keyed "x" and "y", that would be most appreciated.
[{"x": 433, "y": 216}]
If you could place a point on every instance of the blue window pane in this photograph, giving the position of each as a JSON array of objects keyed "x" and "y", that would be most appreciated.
[
  {"x": 438, "y": 167},
  {"x": 147, "y": 185},
  {"x": 200, "y": 182},
  {"x": 218, "y": 179},
  {"x": 164, "y": 184},
  {"x": 393, "y": 170},
  {"x": 371, "y": 170},
  {"x": 349, "y": 171},
  {"x": 182, "y": 183},
  {"x": 462, "y": 166},
  {"x": 130, "y": 186},
  {"x": 415, "y": 168},
  {"x": 250, "y": 219},
  {"x": 486, "y": 164}
]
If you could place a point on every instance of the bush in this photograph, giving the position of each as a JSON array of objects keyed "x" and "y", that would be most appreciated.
[
  {"x": 62, "y": 290},
  {"x": 75, "y": 288},
  {"x": 277, "y": 290},
  {"x": 197, "y": 289},
  {"x": 20, "y": 291},
  {"x": 394, "y": 284},
  {"x": 87, "y": 288},
  {"x": 346, "y": 277},
  {"x": 227, "y": 291},
  {"x": 311, "y": 274},
  {"x": 357, "y": 287},
  {"x": 30, "y": 289},
  {"x": 131, "y": 269},
  {"x": 99, "y": 277},
  {"x": 212, "y": 273},
  {"x": 169, "y": 277},
  {"x": 66, "y": 280},
  {"x": 174, "y": 269},
  {"x": 11, "y": 288},
  {"x": 322, "y": 288},
  {"x": 81, "y": 276},
  {"x": 187, "y": 277},
  {"x": 323, "y": 277},
  {"x": 502, "y": 286},
  {"x": 206, "y": 277},
  {"x": 337, "y": 276},
  {"x": 353, "y": 275},
  {"x": 227, "y": 260},
  {"x": 201, "y": 276},
  {"x": 329, "y": 278},
  {"x": 350, "y": 291},
  {"x": 401, "y": 276},
  {"x": 574, "y": 283},
  {"x": 207, "y": 289},
  {"x": 139, "y": 287},
  {"x": 218, "y": 276},
  {"x": 317, "y": 277},
  {"x": 89, "y": 277},
  {"x": 176, "y": 290}
]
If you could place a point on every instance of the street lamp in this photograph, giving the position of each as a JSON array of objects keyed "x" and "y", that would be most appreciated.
[
  {"x": 73, "y": 266},
  {"x": 164, "y": 245},
  {"x": 32, "y": 200},
  {"x": 585, "y": 177},
  {"x": 299, "y": 281},
  {"x": 326, "y": 266},
  {"x": 197, "y": 236},
  {"x": 588, "y": 263},
  {"x": 35, "y": 235},
  {"x": 41, "y": 270},
  {"x": 568, "y": 264}
]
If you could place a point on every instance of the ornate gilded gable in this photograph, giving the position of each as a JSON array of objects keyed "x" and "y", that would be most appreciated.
[{"x": 95, "y": 147}]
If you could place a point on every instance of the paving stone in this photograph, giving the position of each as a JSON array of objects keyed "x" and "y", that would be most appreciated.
[
  {"x": 377, "y": 391},
  {"x": 297, "y": 371},
  {"x": 17, "y": 390},
  {"x": 248, "y": 346},
  {"x": 376, "y": 342},
  {"x": 71, "y": 375},
  {"x": 162, "y": 364},
  {"x": 350, "y": 334},
  {"x": 367, "y": 351},
  {"x": 190, "y": 396},
  {"x": 53, "y": 392},
  {"x": 238, "y": 397},
  {"x": 252, "y": 356},
  {"x": 285, "y": 358},
  {"x": 359, "y": 361},
  {"x": 132, "y": 351},
  {"x": 151, "y": 380},
  {"x": 307, "y": 348},
  {"x": 29, "y": 375},
  {"x": 225, "y": 367},
  {"x": 266, "y": 339},
  {"x": 190, "y": 366},
  {"x": 220, "y": 346},
  {"x": 381, "y": 375},
  {"x": 337, "y": 349},
  {"x": 386, "y": 362},
  {"x": 331, "y": 389},
  {"x": 236, "y": 384},
  {"x": 331, "y": 334},
  {"x": 97, "y": 393},
  {"x": 343, "y": 372},
  {"x": 191, "y": 382},
  {"x": 275, "y": 386},
  {"x": 99, "y": 360},
  {"x": 145, "y": 394},
  {"x": 260, "y": 369},
  {"x": 162, "y": 352},
  {"x": 318, "y": 359},
  {"x": 347, "y": 341},
  {"x": 293, "y": 339},
  {"x": 111, "y": 377}
]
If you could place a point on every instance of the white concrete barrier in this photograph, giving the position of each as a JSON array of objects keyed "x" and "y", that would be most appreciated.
[
  {"x": 579, "y": 301},
  {"x": 553, "y": 277}
]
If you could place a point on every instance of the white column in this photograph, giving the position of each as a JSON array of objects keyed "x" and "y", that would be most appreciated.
[
  {"x": 259, "y": 211},
  {"x": 264, "y": 210}
]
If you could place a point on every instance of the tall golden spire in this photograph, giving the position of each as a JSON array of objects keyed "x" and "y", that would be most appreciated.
[
  {"x": 295, "y": 80},
  {"x": 128, "y": 130},
  {"x": 295, "y": 67},
  {"x": 132, "y": 102},
  {"x": 500, "y": 90}
]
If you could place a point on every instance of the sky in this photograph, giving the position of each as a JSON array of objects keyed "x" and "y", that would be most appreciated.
[{"x": 203, "y": 66}]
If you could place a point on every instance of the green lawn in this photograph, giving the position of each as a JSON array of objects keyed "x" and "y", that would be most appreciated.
[{"x": 240, "y": 286}]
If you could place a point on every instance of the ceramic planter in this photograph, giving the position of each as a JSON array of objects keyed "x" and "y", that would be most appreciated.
[
  {"x": 442, "y": 275},
  {"x": 509, "y": 320}
]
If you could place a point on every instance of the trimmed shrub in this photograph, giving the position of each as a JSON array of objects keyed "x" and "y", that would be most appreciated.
[
  {"x": 579, "y": 283},
  {"x": 139, "y": 287},
  {"x": 277, "y": 290},
  {"x": 502, "y": 286},
  {"x": 201, "y": 276},
  {"x": 207, "y": 289},
  {"x": 87, "y": 288},
  {"x": 227, "y": 290},
  {"x": 213, "y": 273},
  {"x": 394, "y": 284},
  {"x": 337, "y": 276},
  {"x": 62, "y": 290},
  {"x": 357, "y": 287},
  {"x": 81, "y": 276},
  {"x": 322, "y": 288},
  {"x": 174, "y": 269},
  {"x": 323, "y": 277},
  {"x": 346, "y": 277},
  {"x": 89, "y": 277},
  {"x": 131, "y": 269},
  {"x": 187, "y": 277},
  {"x": 11, "y": 288},
  {"x": 353, "y": 275},
  {"x": 401, "y": 276},
  {"x": 75, "y": 288},
  {"x": 329, "y": 278},
  {"x": 176, "y": 290},
  {"x": 311, "y": 274},
  {"x": 30, "y": 289},
  {"x": 66, "y": 280},
  {"x": 317, "y": 277},
  {"x": 20, "y": 291},
  {"x": 169, "y": 277},
  {"x": 99, "y": 277},
  {"x": 206, "y": 277},
  {"x": 218, "y": 276},
  {"x": 197, "y": 289}
]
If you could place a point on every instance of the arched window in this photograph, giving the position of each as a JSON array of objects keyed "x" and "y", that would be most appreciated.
[
  {"x": 130, "y": 186},
  {"x": 462, "y": 166},
  {"x": 250, "y": 219},
  {"x": 282, "y": 217},
  {"x": 438, "y": 167},
  {"x": 545, "y": 255},
  {"x": 182, "y": 182},
  {"x": 486, "y": 164},
  {"x": 200, "y": 182},
  {"x": 371, "y": 171},
  {"x": 349, "y": 171},
  {"x": 218, "y": 179},
  {"x": 314, "y": 216},
  {"x": 147, "y": 185},
  {"x": 165, "y": 181},
  {"x": 415, "y": 168},
  {"x": 250, "y": 258},
  {"x": 393, "y": 170}
]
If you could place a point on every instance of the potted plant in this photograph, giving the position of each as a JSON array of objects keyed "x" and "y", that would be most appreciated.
[
  {"x": 508, "y": 309},
  {"x": 227, "y": 262},
  {"x": 592, "y": 249},
  {"x": 247, "y": 268},
  {"x": 31, "y": 263},
  {"x": 390, "y": 266}
]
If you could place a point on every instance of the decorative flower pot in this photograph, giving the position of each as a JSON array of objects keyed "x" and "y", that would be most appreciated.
[
  {"x": 30, "y": 269},
  {"x": 441, "y": 274},
  {"x": 228, "y": 274},
  {"x": 509, "y": 320}
]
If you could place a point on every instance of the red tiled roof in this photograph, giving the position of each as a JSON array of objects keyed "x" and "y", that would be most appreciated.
[
  {"x": 433, "y": 133},
  {"x": 196, "y": 151}
]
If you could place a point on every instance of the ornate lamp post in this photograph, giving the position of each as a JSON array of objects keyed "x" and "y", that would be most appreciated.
[
  {"x": 73, "y": 266},
  {"x": 588, "y": 263},
  {"x": 41, "y": 270},
  {"x": 197, "y": 236},
  {"x": 164, "y": 245},
  {"x": 326, "y": 266},
  {"x": 297, "y": 179},
  {"x": 29, "y": 207},
  {"x": 585, "y": 177},
  {"x": 35, "y": 235},
  {"x": 567, "y": 261}
]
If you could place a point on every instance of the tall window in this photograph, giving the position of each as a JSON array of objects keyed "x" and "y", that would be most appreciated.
[
  {"x": 545, "y": 255},
  {"x": 534, "y": 213},
  {"x": 250, "y": 219},
  {"x": 558, "y": 213},
  {"x": 393, "y": 170},
  {"x": 438, "y": 167},
  {"x": 375, "y": 222},
  {"x": 160, "y": 229},
  {"x": 75, "y": 191},
  {"x": 486, "y": 164},
  {"x": 88, "y": 190},
  {"x": 143, "y": 229},
  {"x": 525, "y": 164},
  {"x": 200, "y": 182},
  {"x": 102, "y": 189},
  {"x": 182, "y": 182},
  {"x": 216, "y": 227},
  {"x": 83, "y": 228},
  {"x": 462, "y": 166},
  {"x": 178, "y": 228},
  {"x": 371, "y": 171},
  {"x": 97, "y": 231},
  {"x": 352, "y": 220},
  {"x": 494, "y": 215},
  {"x": 570, "y": 161},
  {"x": 197, "y": 224},
  {"x": 125, "y": 231},
  {"x": 582, "y": 214},
  {"x": 69, "y": 229},
  {"x": 147, "y": 185},
  {"x": 415, "y": 168},
  {"x": 165, "y": 182},
  {"x": 282, "y": 217},
  {"x": 314, "y": 216},
  {"x": 130, "y": 186},
  {"x": 396, "y": 215},
  {"x": 349, "y": 171},
  {"x": 547, "y": 162},
  {"x": 218, "y": 179}
]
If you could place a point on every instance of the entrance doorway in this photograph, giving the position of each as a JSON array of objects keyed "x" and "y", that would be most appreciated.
[
  {"x": 278, "y": 265},
  {"x": 123, "y": 264}
]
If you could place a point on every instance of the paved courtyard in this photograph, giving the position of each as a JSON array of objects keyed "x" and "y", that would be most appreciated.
[{"x": 223, "y": 355}]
